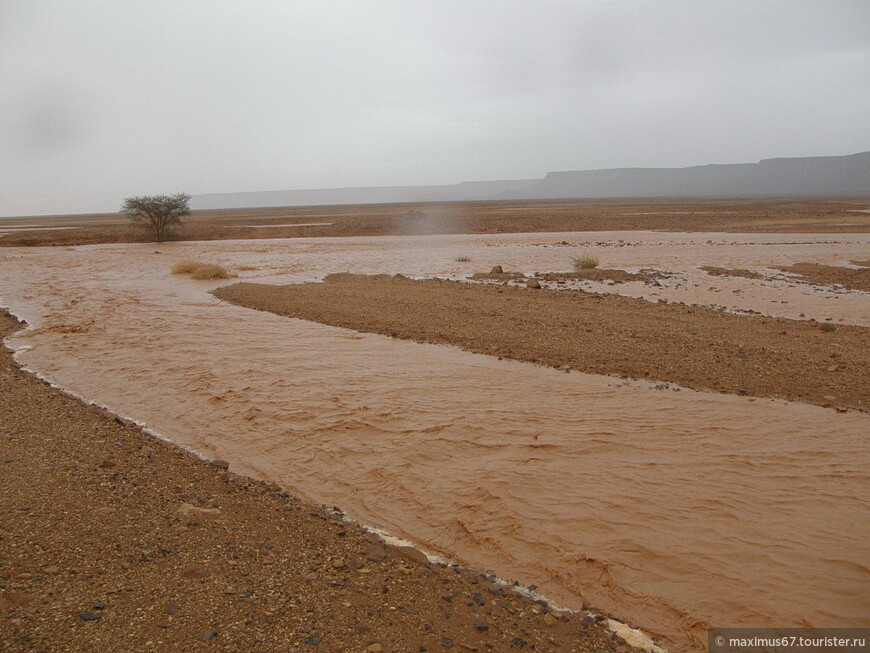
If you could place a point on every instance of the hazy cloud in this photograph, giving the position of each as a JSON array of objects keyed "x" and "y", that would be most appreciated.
[{"x": 99, "y": 100}]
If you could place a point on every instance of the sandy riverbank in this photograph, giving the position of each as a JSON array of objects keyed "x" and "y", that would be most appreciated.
[{"x": 114, "y": 540}]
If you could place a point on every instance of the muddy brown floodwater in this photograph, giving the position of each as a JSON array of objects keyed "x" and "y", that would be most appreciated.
[{"x": 674, "y": 510}]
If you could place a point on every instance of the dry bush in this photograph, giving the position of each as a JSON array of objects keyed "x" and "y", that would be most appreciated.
[
  {"x": 185, "y": 267},
  {"x": 585, "y": 262},
  {"x": 200, "y": 271},
  {"x": 209, "y": 271}
]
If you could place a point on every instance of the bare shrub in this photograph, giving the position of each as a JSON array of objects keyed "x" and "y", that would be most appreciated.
[
  {"x": 185, "y": 267},
  {"x": 585, "y": 262},
  {"x": 209, "y": 271},
  {"x": 200, "y": 271}
]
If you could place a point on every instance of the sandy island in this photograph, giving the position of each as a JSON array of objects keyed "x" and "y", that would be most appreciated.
[{"x": 693, "y": 346}]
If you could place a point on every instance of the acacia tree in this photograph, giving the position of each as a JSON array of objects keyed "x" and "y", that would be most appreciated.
[{"x": 159, "y": 212}]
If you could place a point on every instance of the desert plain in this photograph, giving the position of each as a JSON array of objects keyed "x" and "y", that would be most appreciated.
[{"x": 676, "y": 437}]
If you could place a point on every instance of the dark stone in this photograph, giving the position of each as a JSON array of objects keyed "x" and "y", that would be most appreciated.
[
  {"x": 446, "y": 642},
  {"x": 480, "y": 625},
  {"x": 312, "y": 641},
  {"x": 89, "y": 616},
  {"x": 99, "y": 605},
  {"x": 209, "y": 634},
  {"x": 220, "y": 464},
  {"x": 478, "y": 599}
]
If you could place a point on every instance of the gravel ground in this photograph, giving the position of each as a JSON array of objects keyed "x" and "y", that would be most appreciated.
[
  {"x": 693, "y": 346},
  {"x": 112, "y": 540}
]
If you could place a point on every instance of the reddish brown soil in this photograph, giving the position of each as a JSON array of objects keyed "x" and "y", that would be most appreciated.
[
  {"x": 829, "y": 275},
  {"x": 729, "y": 215},
  {"x": 111, "y": 540},
  {"x": 693, "y": 346}
]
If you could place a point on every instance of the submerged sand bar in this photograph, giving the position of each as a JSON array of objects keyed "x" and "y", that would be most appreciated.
[{"x": 676, "y": 510}]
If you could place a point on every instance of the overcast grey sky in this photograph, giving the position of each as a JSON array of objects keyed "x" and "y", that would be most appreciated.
[{"x": 104, "y": 99}]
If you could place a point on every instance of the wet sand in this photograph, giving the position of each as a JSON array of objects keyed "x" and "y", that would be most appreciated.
[
  {"x": 576, "y": 483},
  {"x": 113, "y": 540}
]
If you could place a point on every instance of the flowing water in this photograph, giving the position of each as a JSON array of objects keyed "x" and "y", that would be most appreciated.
[{"x": 676, "y": 510}]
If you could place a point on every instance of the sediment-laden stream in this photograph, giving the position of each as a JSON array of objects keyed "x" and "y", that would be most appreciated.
[{"x": 675, "y": 510}]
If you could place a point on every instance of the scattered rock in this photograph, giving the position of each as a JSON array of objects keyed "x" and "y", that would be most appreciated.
[
  {"x": 480, "y": 625},
  {"x": 220, "y": 464},
  {"x": 446, "y": 642},
  {"x": 12, "y": 599},
  {"x": 207, "y": 635},
  {"x": 824, "y": 326},
  {"x": 496, "y": 269},
  {"x": 477, "y": 598},
  {"x": 89, "y": 616},
  {"x": 533, "y": 283},
  {"x": 190, "y": 509},
  {"x": 376, "y": 554},
  {"x": 414, "y": 555},
  {"x": 312, "y": 641},
  {"x": 194, "y": 571}
]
